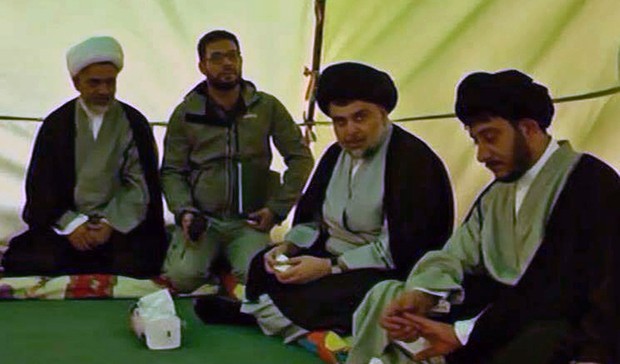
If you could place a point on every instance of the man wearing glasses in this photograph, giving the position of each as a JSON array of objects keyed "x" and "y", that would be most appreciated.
[{"x": 215, "y": 172}]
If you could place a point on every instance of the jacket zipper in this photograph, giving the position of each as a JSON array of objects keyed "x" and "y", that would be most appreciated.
[{"x": 229, "y": 176}]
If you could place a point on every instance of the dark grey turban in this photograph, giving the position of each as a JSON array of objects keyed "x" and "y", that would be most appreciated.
[
  {"x": 355, "y": 81},
  {"x": 509, "y": 94}
]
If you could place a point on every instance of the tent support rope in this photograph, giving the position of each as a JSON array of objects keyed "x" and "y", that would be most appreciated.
[{"x": 309, "y": 122}]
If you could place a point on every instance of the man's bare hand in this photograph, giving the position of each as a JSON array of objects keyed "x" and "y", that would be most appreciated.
[
  {"x": 398, "y": 328},
  {"x": 441, "y": 336},
  {"x": 414, "y": 302},
  {"x": 287, "y": 248},
  {"x": 80, "y": 238},
  {"x": 304, "y": 269},
  {"x": 186, "y": 221},
  {"x": 262, "y": 220},
  {"x": 99, "y": 233}
]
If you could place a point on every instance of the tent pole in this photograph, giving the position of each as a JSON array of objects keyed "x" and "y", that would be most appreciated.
[{"x": 313, "y": 73}]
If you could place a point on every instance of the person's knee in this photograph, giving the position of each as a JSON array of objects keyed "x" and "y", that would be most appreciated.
[
  {"x": 31, "y": 254},
  {"x": 185, "y": 284},
  {"x": 187, "y": 268},
  {"x": 241, "y": 271},
  {"x": 248, "y": 255},
  {"x": 186, "y": 274}
]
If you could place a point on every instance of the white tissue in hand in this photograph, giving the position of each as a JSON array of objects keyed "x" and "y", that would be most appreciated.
[
  {"x": 282, "y": 267},
  {"x": 414, "y": 347},
  {"x": 155, "y": 318}
]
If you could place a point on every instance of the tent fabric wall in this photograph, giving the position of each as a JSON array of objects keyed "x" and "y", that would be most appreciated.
[
  {"x": 427, "y": 46},
  {"x": 159, "y": 40}
]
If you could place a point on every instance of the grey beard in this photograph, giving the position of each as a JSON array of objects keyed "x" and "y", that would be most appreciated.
[
  {"x": 97, "y": 109},
  {"x": 356, "y": 153},
  {"x": 371, "y": 150}
]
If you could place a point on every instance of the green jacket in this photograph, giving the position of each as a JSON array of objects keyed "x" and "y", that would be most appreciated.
[{"x": 209, "y": 155}]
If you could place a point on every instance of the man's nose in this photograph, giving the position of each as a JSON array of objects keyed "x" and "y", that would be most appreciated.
[
  {"x": 482, "y": 153},
  {"x": 351, "y": 129},
  {"x": 105, "y": 89}
]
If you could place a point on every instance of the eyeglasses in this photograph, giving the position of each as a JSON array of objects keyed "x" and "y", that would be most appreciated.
[{"x": 218, "y": 57}]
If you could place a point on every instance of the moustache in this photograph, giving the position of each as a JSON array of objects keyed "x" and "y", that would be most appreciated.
[
  {"x": 493, "y": 164},
  {"x": 102, "y": 99},
  {"x": 353, "y": 140}
]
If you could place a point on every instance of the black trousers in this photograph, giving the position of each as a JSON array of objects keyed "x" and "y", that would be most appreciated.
[
  {"x": 327, "y": 303},
  {"x": 540, "y": 342},
  {"x": 43, "y": 252}
]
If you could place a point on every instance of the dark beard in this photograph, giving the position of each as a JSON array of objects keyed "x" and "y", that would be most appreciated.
[
  {"x": 522, "y": 159},
  {"x": 224, "y": 86}
]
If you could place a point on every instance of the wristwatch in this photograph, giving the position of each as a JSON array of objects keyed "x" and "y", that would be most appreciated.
[{"x": 336, "y": 268}]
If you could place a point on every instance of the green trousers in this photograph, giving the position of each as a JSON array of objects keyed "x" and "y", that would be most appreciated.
[{"x": 187, "y": 263}]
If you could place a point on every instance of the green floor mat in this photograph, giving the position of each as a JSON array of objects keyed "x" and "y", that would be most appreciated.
[{"x": 97, "y": 331}]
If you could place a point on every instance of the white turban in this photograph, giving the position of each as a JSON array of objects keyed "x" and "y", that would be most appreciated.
[{"x": 94, "y": 50}]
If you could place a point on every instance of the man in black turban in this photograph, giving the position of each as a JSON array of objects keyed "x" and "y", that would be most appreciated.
[
  {"x": 379, "y": 199},
  {"x": 531, "y": 271},
  {"x": 355, "y": 81},
  {"x": 514, "y": 97}
]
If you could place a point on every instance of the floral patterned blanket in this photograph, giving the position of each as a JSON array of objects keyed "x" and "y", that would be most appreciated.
[{"x": 78, "y": 286}]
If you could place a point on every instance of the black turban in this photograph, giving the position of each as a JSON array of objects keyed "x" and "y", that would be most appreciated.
[
  {"x": 355, "y": 81},
  {"x": 510, "y": 94}
]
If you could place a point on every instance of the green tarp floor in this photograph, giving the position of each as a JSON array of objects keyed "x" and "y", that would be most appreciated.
[{"x": 98, "y": 331}]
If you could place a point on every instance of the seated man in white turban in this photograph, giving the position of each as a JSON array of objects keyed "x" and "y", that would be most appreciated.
[{"x": 93, "y": 202}]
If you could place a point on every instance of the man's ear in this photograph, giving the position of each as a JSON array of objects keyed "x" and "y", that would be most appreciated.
[
  {"x": 202, "y": 68},
  {"x": 529, "y": 127},
  {"x": 75, "y": 80},
  {"x": 384, "y": 114}
]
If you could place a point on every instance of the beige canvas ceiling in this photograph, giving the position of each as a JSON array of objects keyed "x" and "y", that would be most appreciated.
[{"x": 427, "y": 46}]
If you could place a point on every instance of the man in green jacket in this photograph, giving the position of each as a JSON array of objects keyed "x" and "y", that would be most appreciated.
[{"x": 215, "y": 172}]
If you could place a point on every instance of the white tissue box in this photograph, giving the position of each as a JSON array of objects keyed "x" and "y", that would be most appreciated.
[
  {"x": 154, "y": 319},
  {"x": 159, "y": 334}
]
